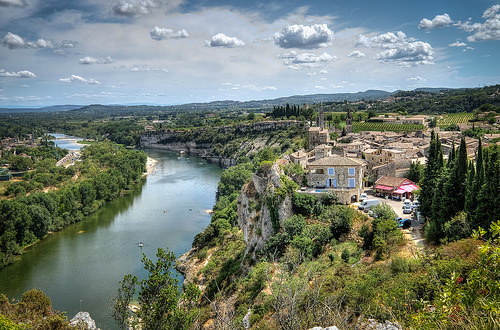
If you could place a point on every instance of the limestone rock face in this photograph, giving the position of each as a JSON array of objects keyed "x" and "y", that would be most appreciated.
[
  {"x": 254, "y": 215},
  {"x": 82, "y": 320}
]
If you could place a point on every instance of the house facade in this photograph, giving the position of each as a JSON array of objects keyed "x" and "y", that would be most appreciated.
[{"x": 342, "y": 175}]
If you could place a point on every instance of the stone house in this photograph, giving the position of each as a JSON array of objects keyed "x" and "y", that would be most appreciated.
[{"x": 342, "y": 175}]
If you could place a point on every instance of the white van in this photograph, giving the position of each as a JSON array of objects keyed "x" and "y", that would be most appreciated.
[{"x": 367, "y": 204}]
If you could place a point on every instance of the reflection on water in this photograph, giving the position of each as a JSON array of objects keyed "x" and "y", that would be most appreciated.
[{"x": 83, "y": 264}]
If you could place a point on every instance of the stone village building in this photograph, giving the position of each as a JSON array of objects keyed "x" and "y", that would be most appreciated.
[{"x": 342, "y": 175}]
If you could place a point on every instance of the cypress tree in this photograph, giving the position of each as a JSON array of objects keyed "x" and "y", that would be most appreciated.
[
  {"x": 451, "y": 155},
  {"x": 438, "y": 208},
  {"x": 470, "y": 193},
  {"x": 433, "y": 167},
  {"x": 488, "y": 198}
]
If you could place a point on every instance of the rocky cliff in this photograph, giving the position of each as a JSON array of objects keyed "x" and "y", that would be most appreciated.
[
  {"x": 223, "y": 145},
  {"x": 261, "y": 209}
]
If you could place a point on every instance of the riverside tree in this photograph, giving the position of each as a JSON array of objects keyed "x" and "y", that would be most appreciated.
[{"x": 162, "y": 305}]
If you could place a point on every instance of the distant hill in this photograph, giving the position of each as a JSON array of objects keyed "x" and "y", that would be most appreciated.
[
  {"x": 54, "y": 108},
  {"x": 230, "y": 104},
  {"x": 295, "y": 99}
]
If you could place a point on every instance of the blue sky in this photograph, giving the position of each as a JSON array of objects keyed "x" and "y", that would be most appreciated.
[{"x": 180, "y": 51}]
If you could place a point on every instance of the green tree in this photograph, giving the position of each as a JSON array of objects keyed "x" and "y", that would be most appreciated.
[
  {"x": 120, "y": 304},
  {"x": 431, "y": 172},
  {"x": 159, "y": 296}
]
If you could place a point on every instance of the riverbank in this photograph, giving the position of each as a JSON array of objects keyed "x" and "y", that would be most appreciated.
[{"x": 150, "y": 165}]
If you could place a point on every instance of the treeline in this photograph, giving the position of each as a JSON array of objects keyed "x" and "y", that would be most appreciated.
[
  {"x": 105, "y": 171},
  {"x": 295, "y": 111},
  {"x": 449, "y": 101},
  {"x": 457, "y": 197}
]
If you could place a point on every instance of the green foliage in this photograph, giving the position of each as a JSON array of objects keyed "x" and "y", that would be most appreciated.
[
  {"x": 303, "y": 203},
  {"x": 26, "y": 218},
  {"x": 233, "y": 178},
  {"x": 340, "y": 219},
  {"x": 34, "y": 310},
  {"x": 416, "y": 172},
  {"x": 294, "y": 225},
  {"x": 159, "y": 296}
]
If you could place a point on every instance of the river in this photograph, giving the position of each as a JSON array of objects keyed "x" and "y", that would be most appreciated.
[{"x": 80, "y": 267}]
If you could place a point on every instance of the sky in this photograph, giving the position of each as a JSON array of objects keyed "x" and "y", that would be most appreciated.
[{"x": 168, "y": 52}]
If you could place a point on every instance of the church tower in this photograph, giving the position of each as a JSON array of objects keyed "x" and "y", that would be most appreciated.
[
  {"x": 321, "y": 119},
  {"x": 348, "y": 122}
]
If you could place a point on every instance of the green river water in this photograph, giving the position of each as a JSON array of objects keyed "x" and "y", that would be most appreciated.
[{"x": 80, "y": 267}]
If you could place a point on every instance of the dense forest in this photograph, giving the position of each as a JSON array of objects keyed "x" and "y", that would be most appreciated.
[{"x": 48, "y": 198}]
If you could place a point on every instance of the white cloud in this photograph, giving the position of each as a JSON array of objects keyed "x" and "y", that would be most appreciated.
[
  {"x": 303, "y": 36},
  {"x": 134, "y": 8},
  {"x": 399, "y": 48},
  {"x": 458, "y": 44},
  {"x": 417, "y": 52},
  {"x": 385, "y": 40},
  {"x": 14, "y": 41},
  {"x": 356, "y": 54},
  {"x": 417, "y": 79},
  {"x": 298, "y": 61},
  {"x": 12, "y": 3},
  {"x": 69, "y": 44},
  {"x": 159, "y": 33},
  {"x": 40, "y": 43},
  {"x": 145, "y": 68},
  {"x": 489, "y": 30},
  {"x": 93, "y": 60},
  {"x": 221, "y": 40},
  {"x": 231, "y": 86},
  {"x": 18, "y": 74},
  {"x": 437, "y": 22},
  {"x": 75, "y": 78}
]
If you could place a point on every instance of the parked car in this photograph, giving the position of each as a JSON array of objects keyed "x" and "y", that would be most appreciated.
[
  {"x": 404, "y": 223},
  {"x": 407, "y": 209},
  {"x": 406, "y": 202},
  {"x": 415, "y": 205},
  {"x": 366, "y": 204},
  {"x": 363, "y": 197}
]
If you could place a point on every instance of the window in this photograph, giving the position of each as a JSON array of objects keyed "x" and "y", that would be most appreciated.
[
  {"x": 351, "y": 171},
  {"x": 331, "y": 171},
  {"x": 351, "y": 182}
]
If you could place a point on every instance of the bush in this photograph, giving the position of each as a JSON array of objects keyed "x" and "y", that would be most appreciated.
[
  {"x": 303, "y": 203},
  {"x": 345, "y": 255},
  {"x": 340, "y": 219},
  {"x": 294, "y": 225}
]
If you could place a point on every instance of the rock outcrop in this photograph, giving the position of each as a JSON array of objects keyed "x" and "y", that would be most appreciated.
[
  {"x": 259, "y": 206},
  {"x": 82, "y": 320}
]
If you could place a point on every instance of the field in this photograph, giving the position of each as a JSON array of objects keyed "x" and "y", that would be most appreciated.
[
  {"x": 453, "y": 119},
  {"x": 367, "y": 126}
]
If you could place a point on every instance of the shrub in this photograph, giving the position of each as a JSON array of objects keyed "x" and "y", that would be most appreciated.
[
  {"x": 345, "y": 255},
  {"x": 303, "y": 203},
  {"x": 294, "y": 225}
]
